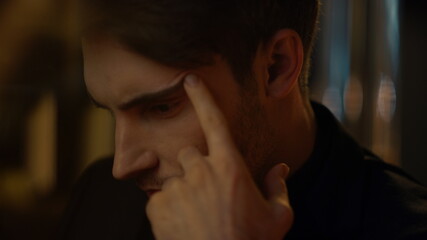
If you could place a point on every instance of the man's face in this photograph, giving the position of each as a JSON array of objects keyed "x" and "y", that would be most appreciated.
[{"x": 155, "y": 119}]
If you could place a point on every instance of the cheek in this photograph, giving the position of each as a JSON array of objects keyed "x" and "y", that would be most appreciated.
[{"x": 178, "y": 134}]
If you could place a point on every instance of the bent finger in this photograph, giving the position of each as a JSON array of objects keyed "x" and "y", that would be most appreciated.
[
  {"x": 275, "y": 185},
  {"x": 277, "y": 195}
]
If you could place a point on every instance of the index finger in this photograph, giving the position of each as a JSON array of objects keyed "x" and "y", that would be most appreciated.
[{"x": 211, "y": 118}]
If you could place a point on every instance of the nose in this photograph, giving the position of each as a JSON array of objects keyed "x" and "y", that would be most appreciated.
[{"x": 132, "y": 156}]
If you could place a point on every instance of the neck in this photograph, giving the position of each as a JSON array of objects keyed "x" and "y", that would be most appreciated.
[{"x": 298, "y": 134}]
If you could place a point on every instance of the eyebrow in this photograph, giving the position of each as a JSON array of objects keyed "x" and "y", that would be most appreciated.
[{"x": 146, "y": 97}]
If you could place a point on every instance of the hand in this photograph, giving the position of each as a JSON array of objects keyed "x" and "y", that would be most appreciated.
[{"x": 217, "y": 197}]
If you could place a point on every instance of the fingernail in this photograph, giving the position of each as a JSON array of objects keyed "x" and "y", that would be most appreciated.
[
  {"x": 285, "y": 170},
  {"x": 191, "y": 80}
]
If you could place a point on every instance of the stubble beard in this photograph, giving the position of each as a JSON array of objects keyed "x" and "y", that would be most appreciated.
[{"x": 254, "y": 137}]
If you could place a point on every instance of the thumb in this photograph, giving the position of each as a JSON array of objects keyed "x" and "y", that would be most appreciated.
[
  {"x": 277, "y": 194},
  {"x": 274, "y": 183}
]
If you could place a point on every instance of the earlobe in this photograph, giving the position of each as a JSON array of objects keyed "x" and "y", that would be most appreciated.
[{"x": 286, "y": 57}]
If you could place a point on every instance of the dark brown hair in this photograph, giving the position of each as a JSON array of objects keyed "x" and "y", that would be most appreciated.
[{"x": 185, "y": 33}]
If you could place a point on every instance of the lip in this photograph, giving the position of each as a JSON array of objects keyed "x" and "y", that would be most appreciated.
[{"x": 149, "y": 191}]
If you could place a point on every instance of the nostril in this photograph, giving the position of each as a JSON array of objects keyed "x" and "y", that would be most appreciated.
[{"x": 148, "y": 160}]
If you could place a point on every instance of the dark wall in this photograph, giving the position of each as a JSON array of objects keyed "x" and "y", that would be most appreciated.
[{"x": 414, "y": 88}]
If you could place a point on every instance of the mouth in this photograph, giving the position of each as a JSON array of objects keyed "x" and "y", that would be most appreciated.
[{"x": 149, "y": 190}]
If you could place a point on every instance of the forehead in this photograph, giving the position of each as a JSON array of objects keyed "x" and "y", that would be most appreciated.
[{"x": 114, "y": 74}]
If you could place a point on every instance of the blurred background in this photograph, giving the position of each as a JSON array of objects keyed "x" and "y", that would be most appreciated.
[{"x": 368, "y": 68}]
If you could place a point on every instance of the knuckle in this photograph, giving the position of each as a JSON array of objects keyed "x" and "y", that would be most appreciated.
[
  {"x": 171, "y": 184},
  {"x": 286, "y": 218},
  {"x": 235, "y": 175},
  {"x": 226, "y": 162},
  {"x": 199, "y": 171},
  {"x": 199, "y": 166}
]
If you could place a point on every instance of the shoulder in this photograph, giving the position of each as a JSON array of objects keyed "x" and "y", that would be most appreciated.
[
  {"x": 356, "y": 192},
  {"x": 395, "y": 203},
  {"x": 383, "y": 179}
]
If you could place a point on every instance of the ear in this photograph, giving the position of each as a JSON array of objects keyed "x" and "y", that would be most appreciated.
[{"x": 285, "y": 59}]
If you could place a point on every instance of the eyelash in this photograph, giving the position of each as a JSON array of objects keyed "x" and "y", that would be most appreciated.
[{"x": 172, "y": 108}]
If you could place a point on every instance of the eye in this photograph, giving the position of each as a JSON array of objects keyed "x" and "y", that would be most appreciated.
[
  {"x": 166, "y": 110},
  {"x": 162, "y": 108}
]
